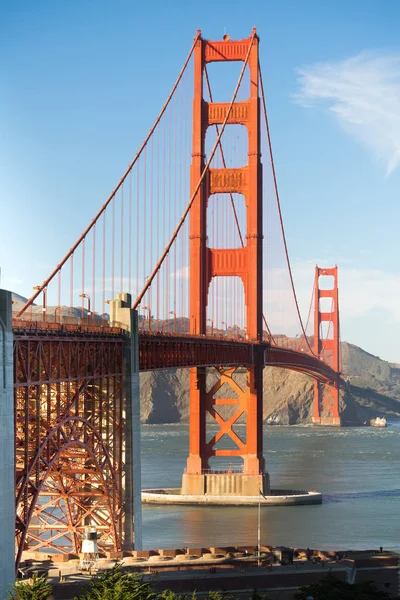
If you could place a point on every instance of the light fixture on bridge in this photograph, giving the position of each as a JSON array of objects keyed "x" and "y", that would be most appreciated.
[
  {"x": 172, "y": 312},
  {"x": 44, "y": 307},
  {"x": 149, "y": 314},
  {"x": 55, "y": 312},
  {"x": 88, "y": 299},
  {"x": 212, "y": 326}
]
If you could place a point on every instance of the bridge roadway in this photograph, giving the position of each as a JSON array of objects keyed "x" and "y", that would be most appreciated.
[{"x": 168, "y": 350}]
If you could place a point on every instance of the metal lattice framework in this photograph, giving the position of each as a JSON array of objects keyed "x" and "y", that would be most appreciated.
[{"x": 68, "y": 415}]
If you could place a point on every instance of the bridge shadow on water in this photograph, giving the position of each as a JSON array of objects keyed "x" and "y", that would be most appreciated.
[{"x": 376, "y": 494}]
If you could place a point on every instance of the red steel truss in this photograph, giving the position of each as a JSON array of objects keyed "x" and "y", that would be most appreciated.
[{"x": 68, "y": 439}]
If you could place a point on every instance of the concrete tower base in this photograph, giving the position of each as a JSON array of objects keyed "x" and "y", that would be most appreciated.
[
  {"x": 327, "y": 421},
  {"x": 225, "y": 484}
]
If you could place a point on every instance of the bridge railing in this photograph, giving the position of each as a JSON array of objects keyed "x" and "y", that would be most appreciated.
[{"x": 68, "y": 326}]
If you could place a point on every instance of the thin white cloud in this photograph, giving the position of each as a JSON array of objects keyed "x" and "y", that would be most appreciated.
[{"x": 363, "y": 93}]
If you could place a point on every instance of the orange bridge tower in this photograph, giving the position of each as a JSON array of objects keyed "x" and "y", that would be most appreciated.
[
  {"x": 207, "y": 263},
  {"x": 326, "y": 312}
]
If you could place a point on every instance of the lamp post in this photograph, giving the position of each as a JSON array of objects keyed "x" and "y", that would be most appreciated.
[
  {"x": 55, "y": 313},
  {"x": 172, "y": 312},
  {"x": 212, "y": 326},
  {"x": 223, "y": 323},
  {"x": 88, "y": 299},
  {"x": 44, "y": 308},
  {"x": 149, "y": 314}
]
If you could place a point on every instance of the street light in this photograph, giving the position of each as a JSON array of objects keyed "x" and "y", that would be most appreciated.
[
  {"x": 149, "y": 314},
  {"x": 212, "y": 326},
  {"x": 55, "y": 313},
  {"x": 223, "y": 323},
  {"x": 172, "y": 312},
  {"x": 88, "y": 299},
  {"x": 44, "y": 308}
]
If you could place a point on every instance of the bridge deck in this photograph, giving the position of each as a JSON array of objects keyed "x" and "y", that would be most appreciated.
[{"x": 166, "y": 351}]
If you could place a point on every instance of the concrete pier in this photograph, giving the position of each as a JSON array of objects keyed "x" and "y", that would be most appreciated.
[
  {"x": 7, "y": 488},
  {"x": 225, "y": 484},
  {"x": 326, "y": 421},
  {"x": 275, "y": 498},
  {"x": 122, "y": 315}
]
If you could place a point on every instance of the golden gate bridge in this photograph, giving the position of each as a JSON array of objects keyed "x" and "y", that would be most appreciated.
[{"x": 193, "y": 233}]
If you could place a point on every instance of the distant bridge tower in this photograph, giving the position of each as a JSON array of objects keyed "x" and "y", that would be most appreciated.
[
  {"x": 207, "y": 263},
  {"x": 326, "y": 396}
]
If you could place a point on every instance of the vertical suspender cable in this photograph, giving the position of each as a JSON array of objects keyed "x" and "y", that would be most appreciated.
[
  {"x": 103, "y": 277},
  {"x": 71, "y": 285},
  {"x": 121, "y": 285},
  {"x": 83, "y": 273},
  {"x": 144, "y": 244},
  {"x": 94, "y": 269},
  {"x": 59, "y": 289},
  {"x": 113, "y": 248},
  {"x": 138, "y": 231},
  {"x": 130, "y": 236}
]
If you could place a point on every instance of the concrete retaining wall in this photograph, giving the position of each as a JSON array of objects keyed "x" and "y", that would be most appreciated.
[{"x": 7, "y": 489}]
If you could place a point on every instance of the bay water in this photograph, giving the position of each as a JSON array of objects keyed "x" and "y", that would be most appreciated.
[{"x": 357, "y": 469}]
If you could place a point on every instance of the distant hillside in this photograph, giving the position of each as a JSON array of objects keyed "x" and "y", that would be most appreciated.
[
  {"x": 18, "y": 301},
  {"x": 368, "y": 371}
]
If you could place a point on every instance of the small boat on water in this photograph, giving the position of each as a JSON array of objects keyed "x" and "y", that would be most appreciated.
[{"x": 378, "y": 422}]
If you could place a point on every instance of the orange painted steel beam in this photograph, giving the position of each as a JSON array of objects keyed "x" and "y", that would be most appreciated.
[
  {"x": 207, "y": 263},
  {"x": 326, "y": 396}
]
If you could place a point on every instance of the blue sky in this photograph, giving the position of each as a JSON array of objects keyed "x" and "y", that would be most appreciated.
[{"x": 81, "y": 83}]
